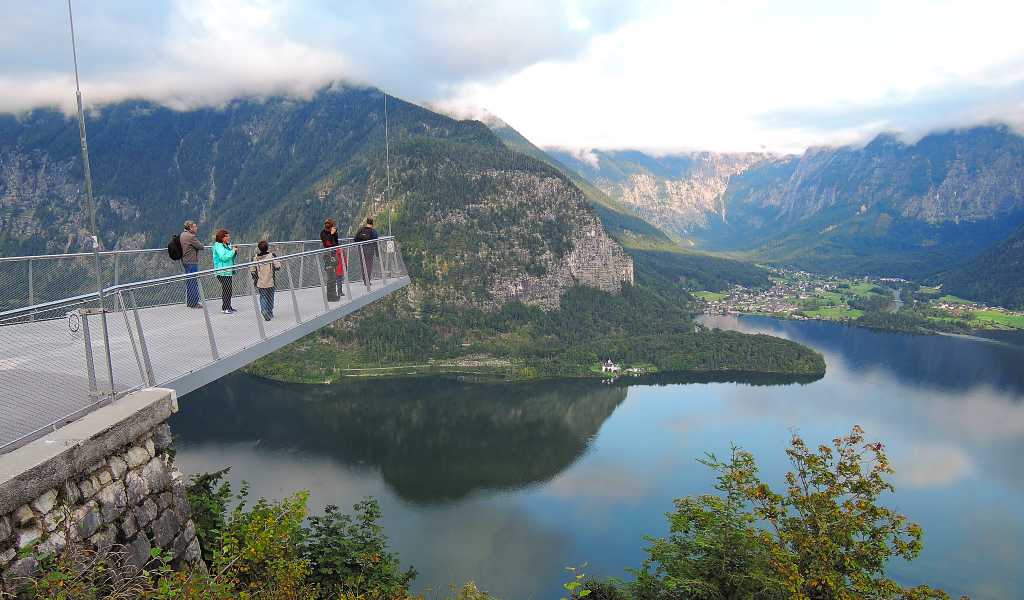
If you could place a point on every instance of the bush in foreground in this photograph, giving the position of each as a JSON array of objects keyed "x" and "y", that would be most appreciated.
[{"x": 824, "y": 537}]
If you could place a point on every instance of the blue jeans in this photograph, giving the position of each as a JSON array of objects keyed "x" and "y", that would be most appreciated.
[
  {"x": 191, "y": 285},
  {"x": 267, "y": 302}
]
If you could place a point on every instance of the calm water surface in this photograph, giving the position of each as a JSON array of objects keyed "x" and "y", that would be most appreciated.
[{"x": 508, "y": 484}]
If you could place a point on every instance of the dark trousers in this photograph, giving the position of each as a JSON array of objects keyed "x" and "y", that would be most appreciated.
[
  {"x": 332, "y": 283},
  {"x": 267, "y": 302},
  {"x": 367, "y": 264},
  {"x": 225, "y": 292},
  {"x": 191, "y": 286}
]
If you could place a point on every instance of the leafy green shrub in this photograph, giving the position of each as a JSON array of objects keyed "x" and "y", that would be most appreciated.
[
  {"x": 208, "y": 495},
  {"x": 258, "y": 550},
  {"x": 348, "y": 555}
]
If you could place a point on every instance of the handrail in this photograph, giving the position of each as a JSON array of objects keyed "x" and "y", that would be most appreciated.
[
  {"x": 183, "y": 276},
  {"x": 129, "y": 251},
  {"x": 170, "y": 278}
]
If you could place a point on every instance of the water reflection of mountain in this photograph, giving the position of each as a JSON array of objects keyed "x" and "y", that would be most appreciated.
[
  {"x": 433, "y": 440},
  {"x": 934, "y": 361}
]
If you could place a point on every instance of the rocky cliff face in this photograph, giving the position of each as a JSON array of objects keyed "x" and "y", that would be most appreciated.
[
  {"x": 678, "y": 193},
  {"x": 479, "y": 223}
]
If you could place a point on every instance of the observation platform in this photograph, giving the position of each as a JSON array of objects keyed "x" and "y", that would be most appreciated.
[{"x": 58, "y": 361}]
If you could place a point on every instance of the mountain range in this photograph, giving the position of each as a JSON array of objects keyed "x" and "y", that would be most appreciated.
[
  {"x": 479, "y": 224},
  {"x": 512, "y": 257},
  {"x": 890, "y": 207}
]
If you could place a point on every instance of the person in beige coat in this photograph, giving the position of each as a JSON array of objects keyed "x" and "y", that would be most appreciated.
[{"x": 264, "y": 275}]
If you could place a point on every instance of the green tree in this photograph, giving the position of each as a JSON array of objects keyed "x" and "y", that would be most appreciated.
[{"x": 824, "y": 537}]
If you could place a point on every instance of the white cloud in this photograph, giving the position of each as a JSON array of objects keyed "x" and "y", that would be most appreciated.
[
  {"x": 656, "y": 75},
  {"x": 712, "y": 75}
]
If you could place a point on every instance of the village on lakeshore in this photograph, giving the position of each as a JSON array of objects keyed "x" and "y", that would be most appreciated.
[{"x": 801, "y": 295}]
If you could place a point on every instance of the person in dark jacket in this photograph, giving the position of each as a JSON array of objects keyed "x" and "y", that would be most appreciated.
[
  {"x": 335, "y": 262},
  {"x": 190, "y": 249},
  {"x": 367, "y": 250}
]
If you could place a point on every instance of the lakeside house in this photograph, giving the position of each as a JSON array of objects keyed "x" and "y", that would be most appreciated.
[{"x": 610, "y": 367}]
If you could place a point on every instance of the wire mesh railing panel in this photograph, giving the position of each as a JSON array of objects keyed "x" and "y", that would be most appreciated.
[
  {"x": 125, "y": 360},
  {"x": 172, "y": 336},
  {"x": 48, "y": 374}
]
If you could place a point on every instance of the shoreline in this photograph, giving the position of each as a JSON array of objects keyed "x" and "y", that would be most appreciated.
[{"x": 854, "y": 323}]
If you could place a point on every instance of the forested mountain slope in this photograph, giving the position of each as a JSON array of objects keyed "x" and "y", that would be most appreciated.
[{"x": 996, "y": 277}]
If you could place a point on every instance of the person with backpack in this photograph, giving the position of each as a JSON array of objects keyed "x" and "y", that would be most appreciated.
[
  {"x": 188, "y": 249},
  {"x": 264, "y": 277},
  {"x": 223, "y": 261},
  {"x": 335, "y": 262},
  {"x": 368, "y": 251}
]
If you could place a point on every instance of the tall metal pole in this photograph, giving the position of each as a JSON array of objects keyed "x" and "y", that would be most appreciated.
[
  {"x": 387, "y": 159},
  {"x": 87, "y": 173}
]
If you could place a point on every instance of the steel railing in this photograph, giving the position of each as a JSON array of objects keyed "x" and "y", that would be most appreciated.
[
  {"x": 64, "y": 358},
  {"x": 29, "y": 280}
]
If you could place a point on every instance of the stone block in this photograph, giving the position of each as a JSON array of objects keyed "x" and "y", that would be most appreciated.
[
  {"x": 23, "y": 515},
  {"x": 5, "y": 528},
  {"x": 145, "y": 513},
  {"x": 53, "y": 544},
  {"x": 104, "y": 476},
  {"x": 156, "y": 476},
  {"x": 193, "y": 553},
  {"x": 88, "y": 487},
  {"x": 164, "y": 500},
  {"x": 70, "y": 493},
  {"x": 55, "y": 518},
  {"x": 137, "y": 487},
  {"x": 136, "y": 457},
  {"x": 7, "y": 556},
  {"x": 21, "y": 569},
  {"x": 129, "y": 526},
  {"x": 87, "y": 520},
  {"x": 45, "y": 502},
  {"x": 188, "y": 533},
  {"x": 104, "y": 539},
  {"x": 138, "y": 551},
  {"x": 162, "y": 439},
  {"x": 112, "y": 500},
  {"x": 150, "y": 446},
  {"x": 117, "y": 467},
  {"x": 180, "y": 506},
  {"x": 165, "y": 529},
  {"x": 28, "y": 536},
  {"x": 96, "y": 466}
]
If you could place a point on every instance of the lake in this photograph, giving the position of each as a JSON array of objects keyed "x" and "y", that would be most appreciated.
[{"x": 507, "y": 484}]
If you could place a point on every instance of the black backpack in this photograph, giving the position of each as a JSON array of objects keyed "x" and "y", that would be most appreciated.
[
  {"x": 364, "y": 234},
  {"x": 174, "y": 247}
]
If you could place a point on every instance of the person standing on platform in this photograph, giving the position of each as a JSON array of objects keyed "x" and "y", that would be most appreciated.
[
  {"x": 190, "y": 249},
  {"x": 368, "y": 251},
  {"x": 224, "y": 261},
  {"x": 264, "y": 277},
  {"x": 334, "y": 262}
]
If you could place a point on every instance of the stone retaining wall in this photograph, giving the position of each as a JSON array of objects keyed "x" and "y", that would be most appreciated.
[{"x": 129, "y": 493}]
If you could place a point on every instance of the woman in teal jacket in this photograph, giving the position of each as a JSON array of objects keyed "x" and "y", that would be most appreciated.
[{"x": 223, "y": 261}]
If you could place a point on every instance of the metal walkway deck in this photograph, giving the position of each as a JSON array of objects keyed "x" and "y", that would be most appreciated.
[{"x": 54, "y": 364}]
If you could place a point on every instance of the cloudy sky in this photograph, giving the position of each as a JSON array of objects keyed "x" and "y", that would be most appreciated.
[{"x": 718, "y": 75}]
